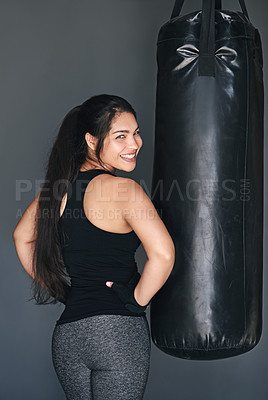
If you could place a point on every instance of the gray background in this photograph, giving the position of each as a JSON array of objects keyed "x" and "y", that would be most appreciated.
[{"x": 54, "y": 55}]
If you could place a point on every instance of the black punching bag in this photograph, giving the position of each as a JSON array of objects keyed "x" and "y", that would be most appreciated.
[{"x": 207, "y": 182}]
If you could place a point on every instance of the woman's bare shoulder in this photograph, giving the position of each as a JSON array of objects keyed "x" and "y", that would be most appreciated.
[
  {"x": 124, "y": 189},
  {"x": 114, "y": 189},
  {"x": 119, "y": 187}
]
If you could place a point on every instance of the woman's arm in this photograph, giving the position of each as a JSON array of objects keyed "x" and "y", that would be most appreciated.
[
  {"x": 24, "y": 236},
  {"x": 141, "y": 215}
]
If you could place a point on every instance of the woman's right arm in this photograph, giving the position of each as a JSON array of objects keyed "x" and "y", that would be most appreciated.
[
  {"x": 140, "y": 213},
  {"x": 24, "y": 236}
]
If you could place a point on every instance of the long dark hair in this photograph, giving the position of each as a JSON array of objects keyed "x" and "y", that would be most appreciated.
[{"x": 69, "y": 152}]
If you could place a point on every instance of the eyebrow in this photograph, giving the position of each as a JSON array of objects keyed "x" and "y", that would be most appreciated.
[{"x": 126, "y": 131}]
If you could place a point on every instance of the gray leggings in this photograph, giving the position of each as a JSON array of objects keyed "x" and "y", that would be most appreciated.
[{"x": 103, "y": 357}]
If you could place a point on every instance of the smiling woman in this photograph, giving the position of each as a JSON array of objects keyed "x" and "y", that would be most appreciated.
[
  {"x": 84, "y": 225},
  {"x": 119, "y": 147}
]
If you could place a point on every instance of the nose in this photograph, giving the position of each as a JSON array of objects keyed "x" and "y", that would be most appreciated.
[{"x": 133, "y": 144}]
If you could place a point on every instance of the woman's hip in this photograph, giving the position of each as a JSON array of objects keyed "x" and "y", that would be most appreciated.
[{"x": 104, "y": 341}]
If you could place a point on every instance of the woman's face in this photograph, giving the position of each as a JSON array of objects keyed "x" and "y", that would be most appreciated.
[{"x": 123, "y": 140}]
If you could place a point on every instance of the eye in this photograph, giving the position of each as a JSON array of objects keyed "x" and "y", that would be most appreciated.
[{"x": 138, "y": 132}]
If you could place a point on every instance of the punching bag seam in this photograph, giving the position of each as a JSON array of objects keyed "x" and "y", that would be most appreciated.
[{"x": 245, "y": 175}]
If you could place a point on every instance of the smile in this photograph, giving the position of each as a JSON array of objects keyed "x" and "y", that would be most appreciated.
[{"x": 129, "y": 157}]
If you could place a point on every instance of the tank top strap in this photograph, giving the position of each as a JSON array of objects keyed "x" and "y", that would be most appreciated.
[
  {"x": 77, "y": 190},
  {"x": 84, "y": 177},
  {"x": 91, "y": 173}
]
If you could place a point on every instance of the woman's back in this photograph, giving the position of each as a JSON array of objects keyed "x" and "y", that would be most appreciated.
[{"x": 93, "y": 255}]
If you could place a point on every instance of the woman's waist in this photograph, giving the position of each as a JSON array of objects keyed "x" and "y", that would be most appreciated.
[
  {"x": 92, "y": 293},
  {"x": 89, "y": 277}
]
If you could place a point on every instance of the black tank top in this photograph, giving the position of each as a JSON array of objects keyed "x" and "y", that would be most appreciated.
[{"x": 93, "y": 256}]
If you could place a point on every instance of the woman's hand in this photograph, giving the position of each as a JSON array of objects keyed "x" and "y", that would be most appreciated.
[{"x": 125, "y": 292}]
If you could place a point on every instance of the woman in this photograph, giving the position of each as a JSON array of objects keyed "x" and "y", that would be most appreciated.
[{"x": 86, "y": 224}]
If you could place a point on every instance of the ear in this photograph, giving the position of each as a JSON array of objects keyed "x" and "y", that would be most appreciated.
[{"x": 91, "y": 141}]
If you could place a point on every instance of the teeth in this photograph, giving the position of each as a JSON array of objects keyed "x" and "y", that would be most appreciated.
[{"x": 133, "y": 155}]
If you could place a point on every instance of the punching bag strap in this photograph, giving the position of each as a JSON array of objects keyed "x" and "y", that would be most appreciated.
[
  {"x": 206, "y": 65},
  {"x": 179, "y": 3}
]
